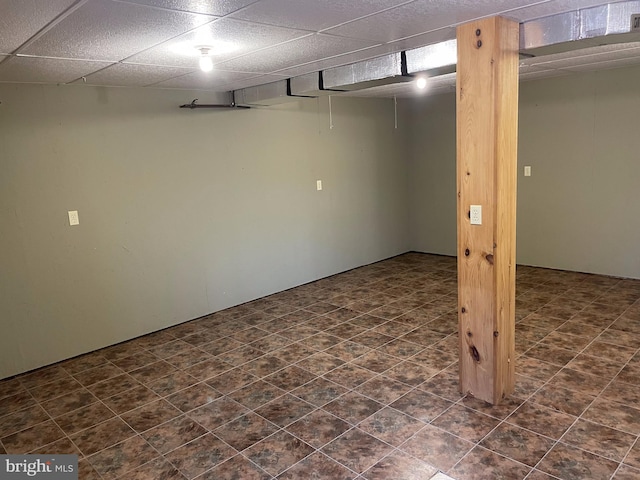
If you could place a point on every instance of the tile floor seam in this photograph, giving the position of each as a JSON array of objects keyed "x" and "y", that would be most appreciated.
[
  {"x": 88, "y": 457},
  {"x": 533, "y": 470},
  {"x": 477, "y": 445},
  {"x": 566, "y": 442},
  {"x": 636, "y": 443},
  {"x": 320, "y": 452},
  {"x": 403, "y": 274},
  {"x": 558, "y": 441}
]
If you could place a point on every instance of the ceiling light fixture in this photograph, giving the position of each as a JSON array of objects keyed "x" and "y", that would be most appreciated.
[
  {"x": 206, "y": 63},
  {"x": 421, "y": 83}
]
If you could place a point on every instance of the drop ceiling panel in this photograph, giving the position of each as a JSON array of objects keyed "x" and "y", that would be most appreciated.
[
  {"x": 234, "y": 37},
  {"x": 198, "y": 80},
  {"x": 304, "y": 50},
  {"x": 107, "y": 30},
  {"x": 422, "y": 16},
  {"x": 313, "y": 15},
  {"x": 219, "y": 7},
  {"x": 46, "y": 70},
  {"x": 423, "y": 39},
  {"x": 273, "y": 39},
  {"x": 21, "y": 19},
  {"x": 132, "y": 75}
]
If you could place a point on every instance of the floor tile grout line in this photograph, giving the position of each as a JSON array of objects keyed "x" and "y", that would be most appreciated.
[
  {"x": 541, "y": 387},
  {"x": 403, "y": 359},
  {"x": 500, "y": 422},
  {"x": 477, "y": 445},
  {"x": 634, "y": 444},
  {"x": 558, "y": 441}
]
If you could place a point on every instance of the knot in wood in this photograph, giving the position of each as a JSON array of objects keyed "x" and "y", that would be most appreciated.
[{"x": 474, "y": 353}]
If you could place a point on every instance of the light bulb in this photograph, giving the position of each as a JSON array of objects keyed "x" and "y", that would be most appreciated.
[
  {"x": 421, "y": 83},
  {"x": 206, "y": 64}
]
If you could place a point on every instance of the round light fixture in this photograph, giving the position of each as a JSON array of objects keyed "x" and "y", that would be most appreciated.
[
  {"x": 206, "y": 63},
  {"x": 421, "y": 83}
]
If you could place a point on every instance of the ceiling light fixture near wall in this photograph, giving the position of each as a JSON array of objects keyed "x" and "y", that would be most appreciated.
[
  {"x": 206, "y": 63},
  {"x": 421, "y": 83}
]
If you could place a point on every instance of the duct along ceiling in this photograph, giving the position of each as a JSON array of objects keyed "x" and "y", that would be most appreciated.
[{"x": 269, "y": 50}]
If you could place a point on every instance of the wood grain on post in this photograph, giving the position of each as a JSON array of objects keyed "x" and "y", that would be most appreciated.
[{"x": 487, "y": 135}]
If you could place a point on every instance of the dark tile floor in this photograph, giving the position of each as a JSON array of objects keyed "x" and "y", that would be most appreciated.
[{"x": 352, "y": 376}]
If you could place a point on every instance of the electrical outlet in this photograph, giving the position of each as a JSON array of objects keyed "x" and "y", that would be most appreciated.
[
  {"x": 319, "y": 185},
  {"x": 527, "y": 171},
  {"x": 73, "y": 217},
  {"x": 476, "y": 214}
]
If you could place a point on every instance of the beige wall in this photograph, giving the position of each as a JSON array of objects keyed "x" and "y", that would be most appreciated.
[
  {"x": 188, "y": 212},
  {"x": 182, "y": 213},
  {"x": 579, "y": 209}
]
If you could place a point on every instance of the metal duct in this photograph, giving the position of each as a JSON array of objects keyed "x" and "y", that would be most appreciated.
[
  {"x": 369, "y": 73},
  {"x": 588, "y": 26},
  {"x": 264, "y": 95},
  {"x": 594, "y": 26},
  {"x": 436, "y": 59},
  {"x": 310, "y": 85}
]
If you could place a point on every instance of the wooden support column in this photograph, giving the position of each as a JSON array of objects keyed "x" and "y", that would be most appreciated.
[{"x": 487, "y": 134}]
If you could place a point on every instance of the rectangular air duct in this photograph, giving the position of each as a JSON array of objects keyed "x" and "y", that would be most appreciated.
[
  {"x": 264, "y": 95},
  {"x": 611, "y": 23},
  {"x": 437, "y": 59},
  {"x": 369, "y": 73},
  {"x": 310, "y": 85}
]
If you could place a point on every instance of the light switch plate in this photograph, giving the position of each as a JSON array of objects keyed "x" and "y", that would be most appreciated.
[
  {"x": 73, "y": 217},
  {"x": 527, "y": 171},
  {"x": 319, "y": 185}
]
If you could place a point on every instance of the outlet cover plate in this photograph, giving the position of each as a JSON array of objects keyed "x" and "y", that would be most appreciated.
[
  {"x": 73, "y": 217},
  {"x": 476, "y": 214}
]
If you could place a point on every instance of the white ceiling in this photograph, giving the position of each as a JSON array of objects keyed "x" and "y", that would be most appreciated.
[{"x": 147, "y": 42}]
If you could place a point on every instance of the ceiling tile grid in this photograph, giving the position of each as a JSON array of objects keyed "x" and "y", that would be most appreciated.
[
  {"x": 21, "y": 19},
  {"x": 234, "y": 38},
  {"x": 302, "y": 50},
  {"x": 314, "y": 15},
  {"x": 153, "y": 42},
  {"x": 215, "y": 80},
  {"x": 207, "y": 7},
  {"x": 132, "y": 75},
  {"x": 46, "y": 70},
  {"x": 112, "y": 31}
]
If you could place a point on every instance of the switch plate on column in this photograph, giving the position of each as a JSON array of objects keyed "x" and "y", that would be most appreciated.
[
  {"x": 73, "y": 217},
  {"x": 527, "y": 171},
  {"x": 319, "y": 185},
  {"x": 476, "y": 214}
]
